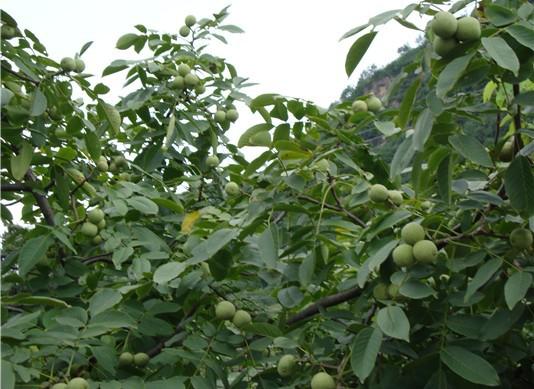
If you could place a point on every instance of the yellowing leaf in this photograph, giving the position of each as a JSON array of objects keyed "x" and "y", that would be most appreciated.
[{"x": 189, "y": 220}]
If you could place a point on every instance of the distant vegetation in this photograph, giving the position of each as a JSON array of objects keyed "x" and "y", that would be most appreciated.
[{"x": 391, "y": 82}]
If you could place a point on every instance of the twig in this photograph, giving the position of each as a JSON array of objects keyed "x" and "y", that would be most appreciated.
[
  {"x": 324, "y": 303},
  {"x": 97, "y": 258},
  {"x": 349, "y": 214},
  {"x": 18, "y": 75},
  {"x": 80, "y": 184},
  {"x": 179, "y": 328}
]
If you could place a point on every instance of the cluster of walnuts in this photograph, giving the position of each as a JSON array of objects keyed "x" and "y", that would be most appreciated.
[{"x": 449, "y": 31}]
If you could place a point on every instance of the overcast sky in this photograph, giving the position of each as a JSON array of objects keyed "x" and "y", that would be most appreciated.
[{"x": 289, "y": 46}]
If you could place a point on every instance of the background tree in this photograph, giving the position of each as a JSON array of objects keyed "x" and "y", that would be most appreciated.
[{"x": 153, "y": 254}]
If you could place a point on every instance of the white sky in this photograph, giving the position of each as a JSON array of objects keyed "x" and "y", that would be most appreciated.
[{"x": 289, "y": 46}]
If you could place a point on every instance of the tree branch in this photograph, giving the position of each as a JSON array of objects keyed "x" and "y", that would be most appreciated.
[
  {"x": 179, "y": 328},
  {"x": 20, "y": 76},
  {"x": 517, "y": 122},
  {"x": 42, "y": 201},
  {"x": 18, "y": 187},
  {"x": 324, "y": 303},
  {"x": 97, "y": 258},
  {"x": 349, "y": 214}
]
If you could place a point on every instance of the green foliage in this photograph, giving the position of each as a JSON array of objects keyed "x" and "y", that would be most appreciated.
[{"x": 153, "y": 254}]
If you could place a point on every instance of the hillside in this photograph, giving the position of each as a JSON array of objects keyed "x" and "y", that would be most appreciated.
[{"x": 391, "y": 82}]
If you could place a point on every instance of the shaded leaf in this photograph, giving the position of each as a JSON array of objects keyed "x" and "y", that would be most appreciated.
[
  {"x": 516, "y": 288},
  {"x": 32, "y": 252},
  {"x": 519, "y": 185},
  {"x": 469, "y": 366},
  {"x": 470, "y": 148},
  {"x": 365, "y": 349},
  {"x": 450, "y": 75}
]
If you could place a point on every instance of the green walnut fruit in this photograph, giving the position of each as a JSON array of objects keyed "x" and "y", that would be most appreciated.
[
  {"x": 220, "y": 116},
  {"x": 199, "y": 89},
  {"x": 443, "y": 47},
  {"x": 232, "y": 189},
  {"x": 97, "y": 239},
  {"x": 141, "y": 359},
  {"x": 393, "y": 291},
  {"x": 412, "y": 233},
  {"x": 178, "y": 82},
  {"x": 322, "y": 165},
  {"x": 468, "y": 29},
  {"x": 60, "y": 385},
  {"x": 89, "y": 229},
  {"x": 68, "y": 64},
  {"x": 403, "y": 255},
  {"x": 262, "y": 139},
  {"x": 373, "y": 104},
  {"x": 5, "y": 96},
  {"x": 380, "y": 291},
  {"x": 190, "y": 20},
  {"x": 232, "y": 115},
  {"x": 444, "y": 24},
  {"x": 395, "y": 196},
  {"x": 126, "y": 359},
  {"x": 507, "y": 151},
  {"x": 184, "y": 31},
  {"x": 241, "y": 318},
  {"x": 225, "y": 310},
  {"x": 521, "y": 238},
  {"x": 96, "y": 215},
  {"x": 79, "y": 65},
  {"x": 8, "y": 32},
  {"x": 286, "y": 365},
  {"x": 184, "y": 69},
  {"x": 78, "y": 383},
  {"x": 102, "y": 164},
  {"x": 101, "y": 224},
  {"x": 425, "y": 251},
  {"x": 54, "y": 114},
  {"x": 61, "y": 133},
  {"x": 323, "y": 381},
  {"x": 205, "y": 269},
  {"x": 191, "y": 80},
  {"x": 359, "y": 106},
  {"x": 125, "y": 176},
  {"x": 120, "y": 161},
  {"x": 378, "y": 193},
  {"x": 212, "y": 161}
]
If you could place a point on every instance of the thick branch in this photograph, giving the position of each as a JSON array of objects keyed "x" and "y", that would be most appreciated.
[
  {"x": 18, "y": 187},
  {"x": 42, "y": 201},
  {"x": 517, "y": 122},
  {"x": 324, "y": 303}
]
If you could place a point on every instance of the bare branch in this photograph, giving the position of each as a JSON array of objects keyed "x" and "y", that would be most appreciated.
[
  {"x": 42, "y": 201},
  {"x": 18, "y": 187},
  {"x": 324, "y": 303}
]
